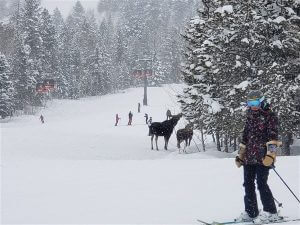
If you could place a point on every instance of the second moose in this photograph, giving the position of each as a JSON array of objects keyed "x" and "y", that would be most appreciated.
[{"x": 186, "y": 135}]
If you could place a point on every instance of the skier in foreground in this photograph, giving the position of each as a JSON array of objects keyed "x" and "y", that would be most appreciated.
[{"x": 257, "y": 154}]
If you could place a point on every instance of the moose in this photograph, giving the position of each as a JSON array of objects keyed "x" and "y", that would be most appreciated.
[
  {"x": 185, "y": 134},
  {"x": 164, "y": 129}
]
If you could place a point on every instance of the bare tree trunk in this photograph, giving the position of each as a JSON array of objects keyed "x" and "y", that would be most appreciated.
[
  {"x": 213, "y": 137},
  {"x": 202, "y": 139},
  {"x": 221, "y": 141},
  {"x": 287, "y": 140},
  {"x": 226, "y": 143},
  {"x": 218, "y": 141},
  {"x": 234, "y": 144}
]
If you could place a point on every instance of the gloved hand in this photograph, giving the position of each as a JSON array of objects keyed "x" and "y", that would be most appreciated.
[
  {"x": 272, "y": 149},
  {"x": 239, "y": 160}
]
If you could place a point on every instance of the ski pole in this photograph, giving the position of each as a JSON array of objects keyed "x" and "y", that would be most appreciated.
[
  {"x": 285, "y": 184},
  {"x": 278, "y": 203}
]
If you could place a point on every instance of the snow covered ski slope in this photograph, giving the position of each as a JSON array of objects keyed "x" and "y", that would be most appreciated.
[{"x": 78, "y": 168}]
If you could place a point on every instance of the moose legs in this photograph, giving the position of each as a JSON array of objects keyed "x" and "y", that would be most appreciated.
[
  {"x": 190, "y": 139},
  {"x": 186, "y": 143},
  {"x": 166, "y": 142},
  {"x": 156, "y": 137}
]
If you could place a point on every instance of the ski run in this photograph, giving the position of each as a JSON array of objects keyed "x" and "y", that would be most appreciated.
[{"x": 78, "y": 168}]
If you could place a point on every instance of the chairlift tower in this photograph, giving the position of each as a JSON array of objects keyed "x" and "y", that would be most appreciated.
[{"x": 146, "y": 66}]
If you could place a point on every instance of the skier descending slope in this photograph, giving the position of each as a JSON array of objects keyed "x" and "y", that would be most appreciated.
[{"x": 257, "y": 154}]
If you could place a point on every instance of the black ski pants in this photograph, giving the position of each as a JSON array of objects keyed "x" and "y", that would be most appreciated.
[{"x": 261, "y": 174}]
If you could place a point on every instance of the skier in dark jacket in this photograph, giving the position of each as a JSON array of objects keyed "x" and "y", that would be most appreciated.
[
  {"x": 260, "y": 135},
  {"x": 169, "y": 114},
  {"x": 146, "y": 118},
  {"x": 42, "y": 119},
  {"x": 117, "y": 119},
  {"x": 130, "y": 115}
]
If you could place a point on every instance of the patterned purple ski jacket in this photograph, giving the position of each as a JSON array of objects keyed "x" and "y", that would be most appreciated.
[{"x": 261, "y": 126}]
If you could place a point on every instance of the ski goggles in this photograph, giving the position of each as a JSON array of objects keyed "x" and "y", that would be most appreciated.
[{"x": 255, "y": 102}]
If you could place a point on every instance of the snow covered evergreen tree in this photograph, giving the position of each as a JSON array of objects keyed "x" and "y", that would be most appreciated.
[
  {"x": 106, "y": 63},
  {"x": 88, "y": 39},
  {"x": 49, "y": 51},
  {"x": 24, "y": 80},
  {"x": 74, "y": 58},
  {"x": 6, "y": 89},
  {"x": 77, "y": 52},
  {"x": 61, "y": 75},
  {"x": 30, "y": 30},
  {"x": 7, "y": 32},
  {"x": 124, "y": 78},
  {"x": 237, "y": 46},
  {"x": 95, "y": 72}
]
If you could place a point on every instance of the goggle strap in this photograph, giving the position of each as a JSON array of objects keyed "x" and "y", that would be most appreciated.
[{"x": 260, "y": 99}]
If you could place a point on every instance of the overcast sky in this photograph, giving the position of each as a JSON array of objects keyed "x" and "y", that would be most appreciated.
[{"x": 65, "y": 6}]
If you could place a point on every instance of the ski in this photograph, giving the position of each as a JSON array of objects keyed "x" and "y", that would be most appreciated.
[
  {"x": 276, "y": 222},
  {"x": 247, "y": 223},
  {"x": 219, "y": 223}
]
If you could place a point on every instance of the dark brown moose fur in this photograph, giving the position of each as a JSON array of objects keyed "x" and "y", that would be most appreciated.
[
  {"x": 164, "y": 129},
  {"x": 186, "y": 135}
]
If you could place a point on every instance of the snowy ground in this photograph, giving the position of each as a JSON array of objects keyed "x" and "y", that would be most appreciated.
[{"x": 78, "y": 168}]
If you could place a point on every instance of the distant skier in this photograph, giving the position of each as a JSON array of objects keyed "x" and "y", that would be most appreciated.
[
  {"x": 117, "y": 119},
  {"x": 42, "y": 119},
  {"x": 169, "y": 114},
  {"x": 146, "y": 117},
  {"x": 139, "y": 107},
  {"x": 257, "y": 153},
  {"x": 130, "y": 115}
]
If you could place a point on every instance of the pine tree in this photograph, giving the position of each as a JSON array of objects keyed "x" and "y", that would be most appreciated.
[
  {"x": 49, "y": 46},
  {"x": 6, "y": 89},
  {"x": 281, "y": 84},
  {"x": 24, "y": 80},
  {"x": 74, "y": 64},
  {"x": 119, "y": 59},
  {"x": 30, "y": 29},
  {"x": 122, "y": 61},
  {"x": 88, "y": 39},
  {"x": 7, "y": 32},
  {"x": 236, "y": 46},
  {"x": 105, "y": 48},
  {"x": 95, "y": 71},
  {"x": 61, "y": 73}
]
